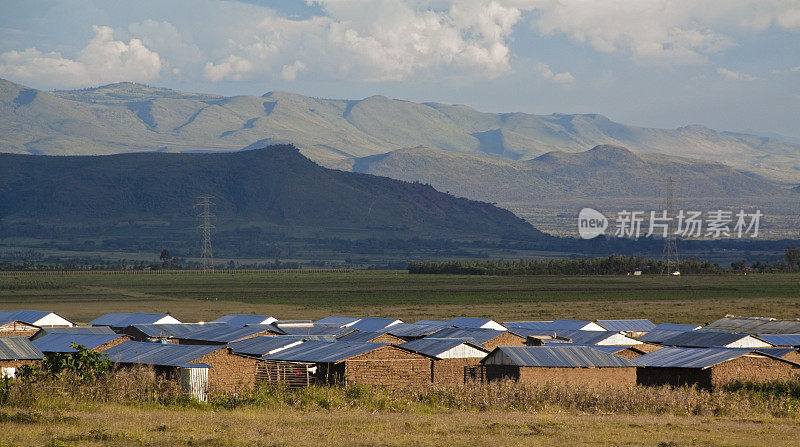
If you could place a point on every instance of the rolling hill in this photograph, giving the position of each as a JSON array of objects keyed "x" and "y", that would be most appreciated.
[{"x": 130, "y": 117}]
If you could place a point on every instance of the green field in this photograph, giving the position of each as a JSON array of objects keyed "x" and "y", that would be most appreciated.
[{"x": 193, "y": 296}]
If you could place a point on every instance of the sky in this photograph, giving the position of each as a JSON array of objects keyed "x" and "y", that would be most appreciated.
[{"x": 727, "y": 64}]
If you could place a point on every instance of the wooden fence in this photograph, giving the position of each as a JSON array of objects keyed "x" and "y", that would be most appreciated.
[{"x": 294, "y": 375}]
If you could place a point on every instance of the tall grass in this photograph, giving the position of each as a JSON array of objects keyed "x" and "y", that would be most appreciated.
[{"x": 142, "y": 386}]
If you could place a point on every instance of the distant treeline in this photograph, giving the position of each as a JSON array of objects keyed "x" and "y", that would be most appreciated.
[{"x": 611, "y": 265}]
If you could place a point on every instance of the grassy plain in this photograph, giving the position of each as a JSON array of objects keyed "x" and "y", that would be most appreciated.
[{"x": 193, "y": 296}]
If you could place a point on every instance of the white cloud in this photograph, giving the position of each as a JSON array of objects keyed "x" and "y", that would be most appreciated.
[
  {"x": 379, "y": 40},
  {"x": 796, "y": 69},
  {"x": 735, "y": 75},
  {"x": 661, "y": 31},
  {"x": 233, "y": 68},
  {"x": 103, "y": 60},
  {"x": 289, "y": 72},
  {"x": 560, "y": 78}
]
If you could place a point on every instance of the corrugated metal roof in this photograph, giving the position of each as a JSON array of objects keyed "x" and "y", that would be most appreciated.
[
  {"x": 411, "y": 330},
  {"x": 372, "y": 324},
  {"x": 316, "y": 329},
  {"x": 468, "y": 322},
  {"x": 438, "y": 323},
  {"x": 676, "y": 327},
  {"x": 637, "y": 325},
  {"x": 358, "y": 336},
  {"x": 659, "y": 336},
  {"x": 611, "y": 349},
  {"x": 126, "y": 319},
  {"x": 479, "y": 336},
  {"x": 338, "y": 321},
  {"x": 158, "y": 354},
  {"x": 754, "y": 325},
  {"x": 433, "y": 347},
  {"x": 524, "y": 332},
  {"x": 697, "y": 358},
  {"x": 62, "y": 342},
  {"x": 25, "y": 316},
  {"x": 72, "y": 330},
  {"x": 555, "y": 325},
  {"x": 323, "y": 352},
  {"x": 776, "y": 352},
  {"x": 18, "y": 348},
  {"x": 244, "y": 320},
  {"x": 703, "y": 339},
  {"x": 175, "y": 330},
  {"x": 781, "y": 339},
  {"x": 586, "y": 337},
  {"x": 225, "y": 334},
  {"x": 561, "y": 357},
  {"x": 262, "y": 345}
]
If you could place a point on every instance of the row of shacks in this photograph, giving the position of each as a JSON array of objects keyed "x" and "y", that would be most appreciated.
[{"x": 237, "y": 352}]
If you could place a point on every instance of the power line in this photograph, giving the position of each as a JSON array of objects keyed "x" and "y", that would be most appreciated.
[{"x": 205, "y": 204}]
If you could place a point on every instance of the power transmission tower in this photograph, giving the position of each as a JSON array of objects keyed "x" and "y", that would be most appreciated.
[
  {"x": 670, "y": 252},
  {"x": 206, "y": 227}
]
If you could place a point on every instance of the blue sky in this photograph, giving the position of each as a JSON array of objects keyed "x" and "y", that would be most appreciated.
[{"x": 730, "y": 65}]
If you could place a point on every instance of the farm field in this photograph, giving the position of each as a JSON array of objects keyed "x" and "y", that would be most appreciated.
[{"x": 195, "y": 296}]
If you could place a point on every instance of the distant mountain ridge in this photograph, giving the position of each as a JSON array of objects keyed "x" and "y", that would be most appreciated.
[{"x": 129, "y": 117}]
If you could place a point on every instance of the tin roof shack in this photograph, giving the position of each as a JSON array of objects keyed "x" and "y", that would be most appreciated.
[
  {"x": 243, "y": 320},
  {"x": 781, "y": 340},
  {"x": 73, "y": 330},
  {"x": 371, "y": 337},
  {"x": 628, "y": 352},
  {"x": 338, "y": 321},
  {"x": 710, "y": 368},
  {"x": 488, "y": 338},
  {"x": 225, "y": 334},
  {"x": 315, "y": 329},
  {"x": 263, "y": 345},
  {"x": 476, "y": 323},
  {"x": 677, "y": 327},
  {"x": 62, "y": 343},
  {"x": 412, "y": 331},
  {"x": 374, "y": 324},
  {"x": 229, "y": 372},
  {"x": 450, "y": 357},
  {"x": 754, "y": 325},
  {"x": 16, "y": 328},
  {"x": 167, "y": 333},
  {"x": 704, "y": 339},
  {"x": 555, "y": 325},
  {"x": 366, "y": 363},
  {"x": 790, "y": 354},
  {"x": 569, "y": 364},
  {"x": 632, "y": 328},
  {"x": 119, "y": 321},
  {"x": 38, "y": 318},
  {"x": 15, "y": 352},
  {"x": 600, "y": 338}
]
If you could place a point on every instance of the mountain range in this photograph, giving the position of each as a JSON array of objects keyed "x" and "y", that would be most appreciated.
[{"x": 129, "y": 117}]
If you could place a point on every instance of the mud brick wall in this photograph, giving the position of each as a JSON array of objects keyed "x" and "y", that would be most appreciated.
[
  {"x": 505, "y": 339},
  {"x": 111, "y": 344},
  {"x": 388, "y": 338},
  {"x": 674, "y": 376},
  {"x": 752, "y": 369},
  {"x": 17, "y": 329},
  {"x": 451, "y": 370},
  {"x": 17, "y": 363},
  {"x": 624, "y": 376},
  {"x": 388, "y": 366},
  {"x": 229, "y": 373}
]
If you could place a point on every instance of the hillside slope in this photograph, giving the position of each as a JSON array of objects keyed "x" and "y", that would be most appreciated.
[
  {"x": 129, "y": 117},
  {"x": 275, "y": 185}
]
